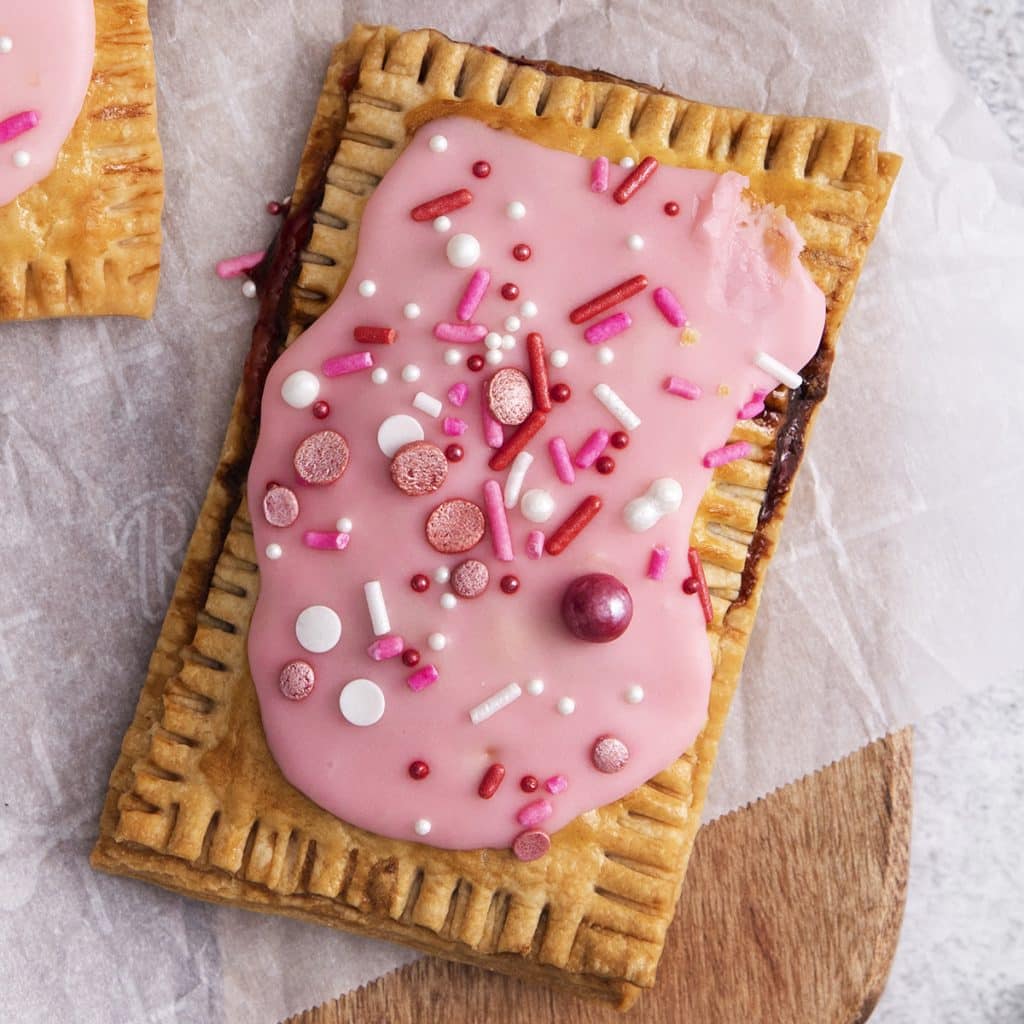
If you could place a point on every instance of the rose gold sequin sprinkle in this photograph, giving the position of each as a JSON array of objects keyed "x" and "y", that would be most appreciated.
[
  {"x": 280, "y": 506},
  {"x": 322, "y": 458},
  {"x": 510, "y": 397},
  {"x": 609, "y": 754},
  {"x": 470, "y": 578},
  {"x": 455, "y": 526},
  {"x": 419, "y": 468},
  {"x": 297, "y": 680},
  {"x": 531, "y": 845}
]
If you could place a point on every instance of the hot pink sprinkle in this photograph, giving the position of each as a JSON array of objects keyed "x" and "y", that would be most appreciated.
[
  {"x": 422, "y": 678},
  {"x": 453, "y": 426},
  {"x": 556, "y": 784},
  {"x": 670, "y": 307},
  {"x": 326, "y": 540},
  {"x": 607, "y": 328},
  {"x": 386, "y": 647},
  {"x": 599, "y": 175},
  {"x": 754, "y": 407},
  {"x": 493, "y": 434},
  {"x": 728, "y": 453},
  {"x": 592, "y": 448},
  {"x": 682, "y": 387},
  {"x": 458, "y": 393},
  {"x": 238, "y": 265},
  {"x": 534, "y": 813},
  {"x": 464, "y": 334},
  {"x": 535, "y": 544},
  {"x": 658, "y": 564},
  {"x": 494, "y": 503},
  {"x": 559, "y": 453},
  {"x": 18, "y": 124},
  {"x": 337, "y": 366},
  {"x": 474, "y": 293}
]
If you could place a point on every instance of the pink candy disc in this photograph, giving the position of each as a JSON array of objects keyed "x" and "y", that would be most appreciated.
[
  {"x": 322, "y": 458},
  {"x": 470, "y": 578},
  {"x": 419, "y": 468},
  {"x": 609, "y": 754},
  {"x": 510, "y": 397},
  {"x": 456, "y": 525},
  {"x": 531, "y": 845},
  {"x": 296, "y": 680},
  {"x": 280, "y": 506}
]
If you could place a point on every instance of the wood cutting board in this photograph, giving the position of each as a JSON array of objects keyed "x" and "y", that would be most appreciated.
[{"x": 789, "y": 915}]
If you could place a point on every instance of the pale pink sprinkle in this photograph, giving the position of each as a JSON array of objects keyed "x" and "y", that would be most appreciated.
[
  {"x": 535, "y": 544},
  {"x": 458, "y": 393},
  {"x": 728, "y": 453},
  {"x": 599, "y": 175},
  {"x": 422, "y": 678},
  {"x": 238, "y": 265},
  {"x": 592, "y": 448},
  {"x": 337, "y": 366},
  {"x": 18, "y": 124},
  {"x": 607, "y": 328},
  {"x": 501, "y": 539},
  {"x": 534, "y": 813},
  {"x": 462, "y": 333},
  {"x": 297, "y": 680},
  {"x": 559, "y": 452},
  {"x": 557, "y": 784},
  {"x": 754, "y": 407},
  {"x": 453, "y": 426},
  {"x": 326, "y": 540},
  {"x": 386, "y": 647},
  {"x": 658, "y": 564},
  {"x": 682, "y": 387},
  {"x": 669, "y": 307},
  {"x": 474, "y": 293},
  {"x": 493, "y": 434}
]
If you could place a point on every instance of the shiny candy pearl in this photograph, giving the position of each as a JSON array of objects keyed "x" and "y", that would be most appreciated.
[
  {"x": 21, "y": 158},
  {"x": 410, "y": 657},
  {"x": 510, "y": 291},
  {"x": 635, "y": 694},
  {"x": 442, "y": 574},
  {"x": 411, "y": 311},
  {"x": 419, "y": 770},
  {"x": 481, "y": 169},
  {"x": 635, "y": 242},
  {"x": 672, "y": 209},
  {"x": 452, "y": 357},
  {"x": 512, "y": 324},
  {"x": 620, "y": 439},
  {"x": 344, "y": 525},
  {"x": 438, "y": 143},
  {"x": 448, "y": 601},
  {"x": 508, "y": 342},
  {"x": 454, "y": 453},
  {"x": 605, "y": 465},
  {"x": 566, "y": 705},
  {"x": 475, "y": 362},
  {"x": 521, "y": 252},
  {"x": 628, "y": 162},
  {"x": 560, "y": 393},
  {"x": 421, "y": 826},
  {"x": 492, "y": 340},
  {"x": 300, "y": 389},
  {"x": 605, "y": 355},
  {"x": 462, "y": 251},
  {"x": 559, "y": 358},
  {"x": 509, "y": 584},
  {"x": 597, "y": 607},
  {"x": 442, "y": 224},
  {"x": 535, "y": 687},
  {"x": 437, "y": 641},
  {"x": 494, "y": 357},
  {"x": 528, "y": 784},
  {"x": 420, "y": 583},
  {"x": 249, "y": 289},
  {"x": 516, "y": 210},
  {"x": 379, "y": 375},
  {"x": 6, "y": 44},
  {"x": 274, "y": 552},
  {"x": 528, "y": 309},
  {"x": 367, "y": 289},
  {"x": 410, "y": 373},
  {"x": 537, "y": 505},
  {"x": 321, "y": 410}
]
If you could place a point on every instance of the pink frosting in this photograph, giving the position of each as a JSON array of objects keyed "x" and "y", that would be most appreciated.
[
  {"x": 45, "y": 69},
  {"x": 738, "y": 275}
]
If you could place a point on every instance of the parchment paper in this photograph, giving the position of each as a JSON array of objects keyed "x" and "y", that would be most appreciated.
[{"x": 897, "y": 588}]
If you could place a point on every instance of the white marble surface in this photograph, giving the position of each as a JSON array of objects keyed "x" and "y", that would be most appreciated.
[{"x": 961, "y": 953}]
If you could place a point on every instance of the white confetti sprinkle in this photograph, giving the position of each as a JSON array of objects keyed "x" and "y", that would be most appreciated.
[
  {"x": 538, "y": 505},
  {"x": 410, "y": 373},
  {"x": 516, "y": 210},
  {"x": 362, "y": 702},
  {"x": 411, "y": 310},
  {"x": 21, "y": 158},
  {"x": 508, "y": 342},
  {"x": 318, "y": 628},
  {"x": 438, "y": 143},
  {"x": 512, "y": 324},
  {"x": 493, "y": 704},
  {"x": 367, "y": 288},
  {"x": 379, "y": 620},
  {"x": 778, "y": 370},
  {"x": 427, "y": 403},
  {"x": 628, "y": 162},
  {"x": 559, "y": 358},
  {"x": 566, "y": 705}
]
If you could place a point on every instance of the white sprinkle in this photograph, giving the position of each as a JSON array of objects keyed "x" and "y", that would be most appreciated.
[
  {"x": 274, "y": 552},
  {"x": 566, "y": 705},
  {"x": 362, "y": 702},
  {"x": 411, "y": 311},
  {"x": 367, "y": 288},
  {"x": 396, "y": 431},
  {"x": 344, "y": 525},
  {"x": 505, "y": 696},
  {"x": 538, "y": 505},
  {"x": 421, "y": 826},
  {"x": 452, "y": 357},
  {"x": 535, "y": 687},
  {"x": 317, "y": 628},
  {"x": 635, "y": 694},
  {"x": 494, "y": 357},
  {"x": 448, "y": 601},
  {"x": 21, "y": 158},
  {"x": 616, "y": 406},
  {"x": 300, "y": 389},
  {"x": 442, "y": 574},
  {"x": 437, "y": 641},
  {"x": 516, "y": 475},
  {"x": 628, "y": 162},
  {"x": 438, "y": 143},
  {"x": 6, "y": 44},
  {"x": 462, "y": 251},
  {"x": 378, "y": 610},
  {"x": 512, "y": 324},
  {"x": 442, "y": 224},
  {"x": 780, "y": 371},
  {"x": 379, "y": 375},
  {"x": 516, "y": 210},
  {"x": 559, "y": 358},
  {"x": 605, "y": 354},
  {"x": 410, "y": 373},
  {"x": 249, "y": 289},
  {"x": 508, "y": 342},
  {"x": 635, "y": 242},
  {"x": 492, "y": 340},
  {"x": 528, "y": 309},
  {"x": 427, "y": 403}
]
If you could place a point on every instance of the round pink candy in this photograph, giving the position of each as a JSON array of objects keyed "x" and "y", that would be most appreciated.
[
  {"x": 531, "y": 845},
  {"x": 321, "y": 458},
  {"x": 609, "y": 754},
  {"x": 280, "y": 506},
  {"x": 297, "y": 680}
]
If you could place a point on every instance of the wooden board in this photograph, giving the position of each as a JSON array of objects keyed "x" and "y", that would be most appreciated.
[{"x": 789, "y": 915}]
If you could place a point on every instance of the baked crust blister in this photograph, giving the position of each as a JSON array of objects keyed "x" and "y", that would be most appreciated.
[
  {"x": 197, "y": 804},
  {"x": 85, "y": 241}
]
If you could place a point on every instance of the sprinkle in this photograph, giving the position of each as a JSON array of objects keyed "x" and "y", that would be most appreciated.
[
  {"x": 419, "y": 770},
  {"x": 21, "y": 158},
  {"x": 509, "y": 584},
  {"x": 375, "y": 335},
  {"x": 386, "y": 647},
  {"x": 352, "y": 362},
  {"x": 454, "y": 452},
  {"x": 690, "y": 336},
  {"x": 664, "y": 496},
  {"x": 442, "y": 574},
  {"x": 525, "y": 433},
  {"x": 682, "y": 387},
  {"x": 421, "y": 826},
  {"x": 534, "y": 813},
  {"x": 321, "y": 410},
  {"x": 556, "y": 784},
  {"x": 411, "y": 373},
  {"x": 634, "y": 180},
  {"x": 512, "y": 324},
  {"x": 701, "y": 584},
  {"x": 419, "y": 583},
  {"x": 427, "y": 403},
  {"x": 508, "y": 342},
  {"x": 396, "y": 432},
  {"x": 510, "y": 397},
  {"x": 516, "y": 475},
  {"x": 317, "y": 629},
  {"x": 458, "y": 393},
  {"x": 538, "y": 371},
  {"x": 658, "y": 564},
  {"x": 494, "y": 357},
  {"x": 485, "y": 709},
  {"x": 578, "y": 520},
  {"x": 438, "y": 144},
  {"x": 609, "y": 754},
  {"x": 627, "y": 162},
  {"x": 493, "y": 434},
  {"x": 635, "y": 242},
  {"x": 669, "y": 307},
  {"x": 608, "y": 328},
  {"x": 378, "y": 610},
  {"x": 538, "y": 505},
  {"x": 501, "y": 539},
  {"x": 778, "y": 370},
  {"x": 493, "y": 778},
  {"x": 535, "y": 544},
  {"x": 422, "y": 678},
  {"x": 362, "y": 702},
  {"x": 411, "y": 310},
  {"x": 754, "y": 407},
  {"x": 470, "y": 578},
  {"x": 592, "y": 307},
  {"x": 442, "y": 224},
  {"x": 462, "y": 251},
  {"x": 599, "y": 175},
  {"x": 464, "y": 334},
  {"x": 532, "y": 845},
  {"x": 535, "y": 687},
  {"x": 616, "y": 406},
  {"x": 521, "y": 252},
  {"x": 441, "y": 205},
  {"x": 559, "y": 452},
  {"x": 452, "y": 357},
  {"x": 635, "y": 694},
  {"x": 321, "y": 458},
  {"x": 515, "y": 210},
  {"x": 592, "y": 448},
  {"x": 605, "y": 355},
  {"x": 280, "y": 506},
  {"x": 379, "y": 375},
  {"x": 6, "y": 44},
  {"x": 226, "y": 269},
  {"x": 510, "y": 291},
  {"x": 274, "y": 552},
  {"x": 481, "y": 169},
  {"x": 367, "y": 288},
  {"x": 493, "y": 340},
  {"x": 528, "y": 309},
  {"x": 566, "y": 705},
  {"x": 476, "y": 289},
  {"x": 296, "y": 680},
  {"x": 344, "y": 525},
  {"x": 325, "y": 540},
  {"x": 453, "y": 426},
  {"x": 559, "y": 358},
  {"x": 437, "y": 641},
  {"x": 456, "y": 525},
  {"x": 475, "y": 363},
  {"x": 249, "y": 289},
  {"x": 448, "y": 601},
  {"x": 727, "y": 453}
]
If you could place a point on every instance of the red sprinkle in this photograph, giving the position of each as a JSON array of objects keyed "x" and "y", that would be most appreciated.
[
  {"x": 493, "y": 778},
  {"x": 375, "y": 335},
  {"x": 420, "y": 583},
  {"x": 321, "y": 410},
  {"x": 672, "y": 209},
  {"x": 528, "y": 784},
  {"x": 640, "y": 175},
  {"x": 620, "y": 439},
  {"x": 578, "y": 519},
  {"x": 522, "y": 252},
  {"x": 599, "y": 303},
  {"x": 442, "y": 204},
  {"x": 561, "y": 393},
  {"x": 509, "y": 584},
  {"x": 510, "y": 291},
  {"x": 454, "y": 452},
  {"x": 605, "y": 465},
  {"x": 410, "y": 657},
  {"x": 701, "y": 585},
  {"x": 481, "y": 169},
  {"x": 419, "y": 770},
  {"x": 475, "y": 362},
  {"x": 538, "y": 371},
  {"x": 524, "y": 434},
  {"x": 274, "y": 208}
]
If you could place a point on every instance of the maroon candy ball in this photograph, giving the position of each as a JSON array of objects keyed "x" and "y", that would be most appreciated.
[
  {"x": 481, "y": 169},
  {"x": 597, "y": 607},
  {"x": 475, "y": 363},
  {"x": 510, "y": 291}
]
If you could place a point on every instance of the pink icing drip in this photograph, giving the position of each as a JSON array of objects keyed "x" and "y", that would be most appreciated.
[{"x": 238, "y": 265}]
